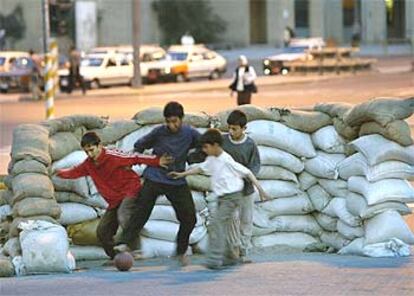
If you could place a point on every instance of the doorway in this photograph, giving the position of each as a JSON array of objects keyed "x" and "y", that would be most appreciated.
[
  {"x": 395, "y": 10},
  {"x": 258, "y": 21}
]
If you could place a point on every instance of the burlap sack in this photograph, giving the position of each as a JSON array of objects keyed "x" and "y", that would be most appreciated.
[
  {"x": 152, "y": 115},
  {"x": 199, "y": 182},
  {"x": 6, "y": 196},
  {"x": 398, "y": 131},
  {"x": 95, "y": 200},
  {"x": 79, "y": 185},
  {"x": 32, "y": 185},
  {"x": 31, "y": 141},
  {"x": 6, "y": 267},
  {"x": 333, "y": 109},
  {"x": 14, "y": 230},
  {"x": 306, "y": 121},
  {"x": 84, "y": 234},
  {"x": 197, "y": 119},
  {"x": 12, "y": 247},
  {"x": 36, "y": 207},
  {"x": 71, "y": 123},
  {"x": 116, "y": 130},
  {"x": 346, "y": 131},
  {"x": 61, "y": 144},
  {"x": 381, "y": 110},
  {"x": 29, "y": 166},
  {"x": 268, "y": 172}
]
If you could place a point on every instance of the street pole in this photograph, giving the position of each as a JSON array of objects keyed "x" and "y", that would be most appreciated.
[
  {"x": 136, "y": 22},
  {"x": 46, "y": 25}
]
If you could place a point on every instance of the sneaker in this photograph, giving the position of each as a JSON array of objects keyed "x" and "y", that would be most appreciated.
[
  {"x": 121, "y": 248},
  {"x": 183, "y": 260}
]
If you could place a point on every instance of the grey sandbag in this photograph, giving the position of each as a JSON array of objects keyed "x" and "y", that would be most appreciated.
[
  {"x": 32, "y": 185},
  {"x": 29, "y": 166},
  {"x": 71, "y": 123},
  {"x": 14, "y": 230},
  {"x": 305, "y": 121},
  {"x": 381, "y": 110},
  {"x": 344, "y": 130},
  {"x": 7, "y": 196},
  {"x": 116, "y": 130},
  {"x": 398, "y": 131},
  {"x": 36, "y": 207},
  {"x": 31, "y": 141},
  {"x": 62, "y": 144},
  {"x": 333, "y": 109},
  {"x": 200, "y": 119}
]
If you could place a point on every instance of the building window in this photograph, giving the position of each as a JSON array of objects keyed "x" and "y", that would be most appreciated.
[{"x": 301, "y": 13}]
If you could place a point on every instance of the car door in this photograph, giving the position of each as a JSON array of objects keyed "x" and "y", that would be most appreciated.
[
  {"x": 196, "y": 65},
  {"x": 125, "y": 69}
]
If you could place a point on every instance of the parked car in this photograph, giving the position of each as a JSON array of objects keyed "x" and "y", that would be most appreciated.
[
  {"x": 297, "y": 50},
  {"x": 184, "y": 62},
  {"x": 7, "y": 57},
  {"x": 18, "y": 75}
]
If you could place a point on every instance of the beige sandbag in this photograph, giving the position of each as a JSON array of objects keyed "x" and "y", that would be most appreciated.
[
  {"x": 381, "y": 110},
  {"x": 78, "y": 186},
  {"x": 36, "y": 207},
  {"x": 61, "y": 144},
  {"x": 95, "y": 200},
  {"x": 199, "y": 119},
  {"x": 252, "y": 112},
  {"x": 152, "y": 115},
  {"x": 398, "y": 131},
  {"x": 278, "y": 188},
  {"x": 12, "y": 247},
  {"x": 334, "y": 109},
  {"x": 306, "y": 121},
  {"x": 71, "y": 123},
  {"x": 31, "y": 141},
  {"x": 84, "y": 234},
  {"x": 344, "y": 130},
  {"x": 126, "y": 144},
  {"x": 275, "y": 156},
  {"x": 296, "y": 223},
  {"x": 296, "y": 205},
  {"x": 29, "y": 166},
  {"x": 199, "y": 182},
  {"x": 7, "y": 196},
  {"x": 32, "y": 185},
  {"x": 116, "y": 130},
  {"x": 14, "y": 230},
  {"x": 268, "y": 172},
  {"x": 296, "y": 240},
  {"x": 6, "y": 267}
]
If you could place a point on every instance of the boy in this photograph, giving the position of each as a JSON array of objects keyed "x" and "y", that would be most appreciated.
[
  {"x": 115, "y": 180},
  {"x": 243, "y": 150},
  {"x": 227, "y": 183},
  {"x": 176, "y": 139}
]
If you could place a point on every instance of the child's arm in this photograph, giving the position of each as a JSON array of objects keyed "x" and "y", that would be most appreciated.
[
  {"x": 194, "y": 171},
  {"x": 123, "y": 159},
  {"x": 73, "y": 173}
]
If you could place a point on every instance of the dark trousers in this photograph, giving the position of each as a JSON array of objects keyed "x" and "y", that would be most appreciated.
[
  {"x": 109, "y": 223},
  {"x": 182, "y": 202},
  {"x": 244, "y": 97}
]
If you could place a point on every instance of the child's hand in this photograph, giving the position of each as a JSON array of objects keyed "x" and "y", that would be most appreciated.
[
  {"x": 176, "y": 175},
  {"x": 263, "y": 196},
  {"x": 165, "y": 160}
]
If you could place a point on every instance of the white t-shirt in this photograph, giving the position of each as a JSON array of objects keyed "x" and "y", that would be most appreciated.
[{"x": 226, "y": 174}]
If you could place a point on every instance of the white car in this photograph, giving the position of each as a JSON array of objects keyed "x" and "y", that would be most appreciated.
[
  {"x": 296, "y": 50},
  {"x": 185, "y": 62}
]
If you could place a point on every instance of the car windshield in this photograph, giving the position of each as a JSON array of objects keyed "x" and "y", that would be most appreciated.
[
  {"x": 2, "y": 60},
  {"x": 23, "y": 63},
  {"x": 91, "y": 62},
  {"x": 295, "y": 49},
  {"x": 177, "y": 56}
]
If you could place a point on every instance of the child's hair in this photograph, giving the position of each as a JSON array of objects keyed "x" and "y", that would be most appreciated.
[
  {"x": 173, "y": 109},
  {"x": 237, "y": 117},
  {"x": 211, "y": 136},
  {"x": 90, "y": 138}
]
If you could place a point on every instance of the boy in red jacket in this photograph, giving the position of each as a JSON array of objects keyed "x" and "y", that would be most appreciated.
[{"x": 115, "y": 180}]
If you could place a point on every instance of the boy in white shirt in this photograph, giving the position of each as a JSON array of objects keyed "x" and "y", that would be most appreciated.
[{"x": 227, "y": 183}]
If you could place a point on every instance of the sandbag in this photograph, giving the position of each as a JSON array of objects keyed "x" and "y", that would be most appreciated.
[
  {"x": 383, "y": 190},
  {"x": 199, "y": 119},
  {"x": 261, "y": 219},
  {"x": 29, "y": 166},
  {"x": 152, "y": 115},
  {"x": 73, "y": 213},
  {"x": 334, "y": 187},
  {"x": 83, "y": 253},
  {"x": 96, "y": 200},
  {"x": 199, "y": 200},
  {"x": 349, "y": 232},
  {"x": 7, "y": 196},
  {"x": 278, "y": 188},
  {"x": 268, "y": 172},
  {"x": 36, "y": 207},
  {"x": 354, "y": 165},
  {"x": 14, "y": 230},
  {"x": 275, "y": 134},
  {"x": 12, "y": 247},
  {"x": 31, "y": 185},
  {"x": 126, "y": 144},
  {"x": 258, "y": 231},
  {"x": 398, "y": 131},
  {"x": 6, "y": 267},
  {"x": 337, "y": 208},
  {"x": 252, "y": 113},
  {"x": 158, "y": 248},
  {"x": 386, "y": 226},
  {"x": 73, "y": 122},
  {"x": 381, "y": 110},
  {"x": 306, "y": 180},
  {"x": 296, "y": 205},
  {"x": 73, "y": 159},
  {"x": 84, "y": 233},
  {"x": 296, "y": 240},
  {"x": 116, "y": 130},
  {"x": 305, "y": 121},
  {"x": 357, "y": 206},
  {"x": 334, "y": 109},
  {"x": 319, "y": 197},
  {"x": 347, "y": 132},
  {"x": 377, "y": 149},
  {"x": 296, "y": 223},
  {"x": 31, "y": 141},
  {"x": 274, "y": 156},
  {"x": 78, "y": 186},
  {"x": 392, "y": 248},
  {"x": 167, "y": 213},
  {"x": 166, "y": 230},
  {"x": 324, "y": 165},
  {"x": 326, "y": 222},
  {"x": 5, "y": 211},
  {"x": 334, "y": 240},
  {"x": 199, "y": 182},
  {"x": 328, "y": 140},
  {"x": 61, "y": 144},
  {"x": 45, "y": 247}
]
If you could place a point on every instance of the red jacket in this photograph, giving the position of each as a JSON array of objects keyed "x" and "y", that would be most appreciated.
[{"x": 112, "y": 174}]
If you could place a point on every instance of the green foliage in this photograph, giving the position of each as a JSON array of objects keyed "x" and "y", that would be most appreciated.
[{"x": 176, "y": 17}]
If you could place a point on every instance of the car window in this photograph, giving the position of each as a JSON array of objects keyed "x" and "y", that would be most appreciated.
[
  {"x": 177, "y": 56},
  {"x": 195, "y": 57},
  {"x": 91, "y": 62},
  {"x": 2, "y": 61},
  {"x": 123, "y": 60},
  {"x": 111, "y": 63},
  {"x": 209, "y": 55}
]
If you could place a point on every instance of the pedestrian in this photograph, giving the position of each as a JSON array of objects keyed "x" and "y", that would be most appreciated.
[
  {"x": 36, "y": 75},
  {"x": 227, "y": 183},
  {"x": 176, "y": 139},
  {"x": 118, "y": 184},
  {"x": 243, "y": 150},
  {"x": 288, "y": 34},
  {"x": 243, "y": 82},
  {"x": 75, "y": 76}
]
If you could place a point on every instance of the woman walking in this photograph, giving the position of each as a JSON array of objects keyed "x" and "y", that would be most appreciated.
[{"x": 243, "y": 82}]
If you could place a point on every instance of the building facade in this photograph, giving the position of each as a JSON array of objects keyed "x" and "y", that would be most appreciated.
[{"x": 248, "y": 21}]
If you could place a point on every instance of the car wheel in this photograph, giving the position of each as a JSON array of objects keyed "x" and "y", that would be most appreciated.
[
  {"x": 180, "y": 78},
  {"x": 95, "y": 84},
  {"x": 284, "y": 71},
  {"x": 215, "y": 75}
]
